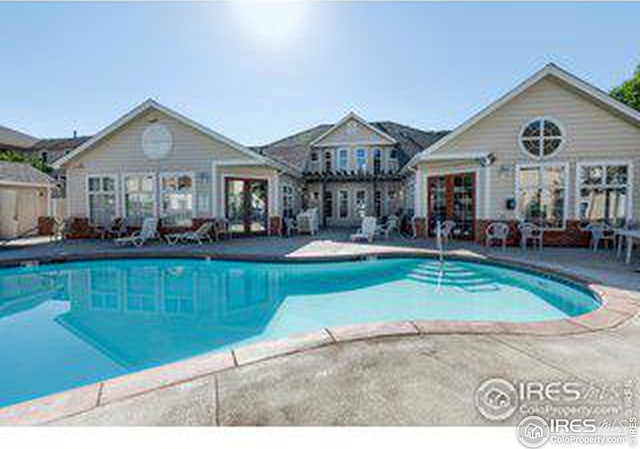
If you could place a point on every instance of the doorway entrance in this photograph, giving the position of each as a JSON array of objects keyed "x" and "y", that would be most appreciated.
[
  {"x": 247, "y": 205},
  {"x": 452, "y": 197}
]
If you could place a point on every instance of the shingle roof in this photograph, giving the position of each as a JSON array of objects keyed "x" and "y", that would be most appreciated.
[
  {"x": 23, "y": 173},
  {"x": 59, "y": 144},
  {"x": 294, "y": 150}
]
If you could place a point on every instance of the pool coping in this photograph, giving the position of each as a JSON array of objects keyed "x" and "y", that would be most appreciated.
[{"x": 617, "y": 307}]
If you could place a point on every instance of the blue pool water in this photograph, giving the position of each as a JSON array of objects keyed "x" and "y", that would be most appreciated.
[{"x": 65, "y": 325}]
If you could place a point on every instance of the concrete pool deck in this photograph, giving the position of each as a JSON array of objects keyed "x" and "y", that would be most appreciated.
[{"x": 409, "y": 373}]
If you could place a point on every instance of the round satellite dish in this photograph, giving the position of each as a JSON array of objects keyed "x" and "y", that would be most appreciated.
[{"x": 157, "y": 141}]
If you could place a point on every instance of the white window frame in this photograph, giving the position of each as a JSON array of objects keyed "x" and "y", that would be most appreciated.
[
  {"x": 116, "y": 192},
  {"x": 541, "y": 157},
  {"x": 348, "y": 199},
  {"x": 364, "y": 153},
  {"x": 314, "y": 166},
  {"x": 565, "y": 206},
  {"x": 343, "y": 152},
  {"x": 123, "y": 191},
  {"x": 603, "y": 163},
  {"x": 161, "y": 190},
  {"x": 377, "y": 153},
  {"x": 355, "y": 201},
  {"x": 392, "y": 162},
  {"x": 291, "y": 195}
]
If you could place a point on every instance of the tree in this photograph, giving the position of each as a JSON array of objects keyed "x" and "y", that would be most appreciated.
[
  {"x": 12, "y": 156},
  {"x": 629, "y": 91}
]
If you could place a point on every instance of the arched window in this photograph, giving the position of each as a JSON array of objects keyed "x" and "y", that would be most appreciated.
[{"x": 541, "y": 138}]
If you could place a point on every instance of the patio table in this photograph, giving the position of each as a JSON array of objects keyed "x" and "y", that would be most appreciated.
[{"x": 629, "y": 235}]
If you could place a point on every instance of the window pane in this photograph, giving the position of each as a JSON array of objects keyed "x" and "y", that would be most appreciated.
[
  {"x": 532, "y": 147},
  {"x": 102, "y": 208},
  {"x": 108, "y": 184},
  {"x": 553, "y": 177},
  {"x": 94, "y": 184},
  {"x": 550, "y": 145},
  {"x": 551, "y": 129},
  {"x": 138, "y": 198},
  {"x": 591, "y": 175},
  {"x": 529, "y": 204},
  {"x": 529, "y": 177},
  {"x": 617, "y": 175},
  {"x": 177, "y": 200},
  {"x": 552, "y": 207},
  {"x": 533, "y": 130}
]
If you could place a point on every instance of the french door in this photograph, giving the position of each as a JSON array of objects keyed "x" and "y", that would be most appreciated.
[
  {"x": 247, "y": 205},
  {"x": 452, "y": 197}
]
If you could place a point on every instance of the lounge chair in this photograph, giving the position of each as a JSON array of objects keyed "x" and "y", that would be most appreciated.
[
  {"x": 115, "y": 228},
  {"x": 222, "y": 228},
  {"x": 200, "y": 234},
  {"x": 497, "y": 231},
  {"x": 530, "y": 231},
  {"x": 367, "y": 230},
  {"x": 149, "y": 231}
]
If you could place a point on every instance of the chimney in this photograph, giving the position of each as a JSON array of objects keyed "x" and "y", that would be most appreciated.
[{"x": 75, "y": 133}]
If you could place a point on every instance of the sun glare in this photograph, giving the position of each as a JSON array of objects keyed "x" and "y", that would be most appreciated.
[{"x": 272, "y": 20}]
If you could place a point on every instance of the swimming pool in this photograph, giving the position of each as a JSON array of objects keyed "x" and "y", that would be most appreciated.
[{"x": 71, "y": 324}]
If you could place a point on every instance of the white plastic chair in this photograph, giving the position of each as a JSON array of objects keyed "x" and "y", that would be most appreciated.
[
  {"x": 290, "y": 226},
  {"x": 200, "y": 234},
  {"x": 600, "y": 232},
  {"x": 149, "y": 231},
  {"x": 389, "y": 227},
  {"x": 530, "y": 231},
  {"x": 446, "y": 230},
  {"x": 497, "y": 231},
  {"x": 367, "y": 230}
]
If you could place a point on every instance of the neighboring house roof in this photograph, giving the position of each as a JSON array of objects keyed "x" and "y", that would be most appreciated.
[
  {"x": 21, "y": 173},
  {"x": 295, "y": 149},
  {"x": 14, "y": 138},
  {"x": 550, "y": 70},
  {"x": 151, "y": 104}
]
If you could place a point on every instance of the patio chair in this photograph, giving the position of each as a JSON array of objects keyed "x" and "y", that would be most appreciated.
[
  {"x": 600, "y": 232},
  {"x": 222, "y": 228},
  {"x": 367, "y": 230},
  {"x": 115, "y": 228},
  {"x": 290, "y": 226},
  {"x": 200, "y": 234},
  {"x": 497, "y": 231},
  {"x": 148, "y": 232},
  {"x": 307, "y": 221},
  {"x": 620, "y": 239},
  {"x": 389, "y": 227},
  {"x": 446, "y": 230},
  {"x": 62, "y": 228},
  {"x": 530, "y": 231}
]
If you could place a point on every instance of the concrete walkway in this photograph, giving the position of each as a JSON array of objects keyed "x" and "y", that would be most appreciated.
[{"x": 411, "y": 380}]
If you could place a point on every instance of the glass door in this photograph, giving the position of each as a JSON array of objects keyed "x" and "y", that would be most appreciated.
[
  {"x": 247, "y": 205},
  {"x": 452, "y": 197}
]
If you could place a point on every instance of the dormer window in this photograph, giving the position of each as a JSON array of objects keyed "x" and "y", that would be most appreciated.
[{"x": 541, "y": 138}]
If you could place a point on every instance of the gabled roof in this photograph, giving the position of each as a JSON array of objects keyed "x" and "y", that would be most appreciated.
[
  {"x": 21, "y": 173},
  {"x": 550, "y": 70},
  {"x": 153, "y": 105},
  {"x": 295, "y": 149},
  {"x": 357, "y": 118},
  {"x": 15, "y": 138}
]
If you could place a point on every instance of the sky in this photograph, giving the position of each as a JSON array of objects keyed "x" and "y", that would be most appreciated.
[{"x": 257, "y": 72}]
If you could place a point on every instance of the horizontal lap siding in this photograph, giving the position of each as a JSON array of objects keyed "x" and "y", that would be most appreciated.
[
  {"x": 592, "y": 134},
  {"x": 120, "y": 153}
]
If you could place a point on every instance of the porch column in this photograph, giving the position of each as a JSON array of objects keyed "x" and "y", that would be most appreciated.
[{"x": 215, "y": 187}]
